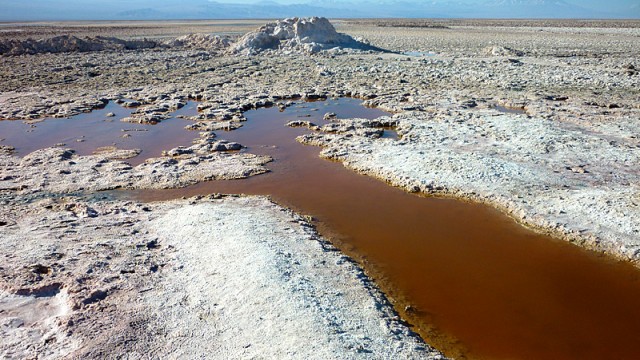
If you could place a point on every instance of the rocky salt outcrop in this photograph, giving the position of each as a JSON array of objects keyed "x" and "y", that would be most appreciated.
[
  {"x": 200, "y": 41},
  {"x": 151, "y": 114},
  {"x": 6, "y": 150},
  {"x": 307, "y": 35},
  {"x": 60, "y": 170},
  {"x": 502, "y": 51},
  {"x": 69, "y": 43},
  {"x": 204, "y": 145}
]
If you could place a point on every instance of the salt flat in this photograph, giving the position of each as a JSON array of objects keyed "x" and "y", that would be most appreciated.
[{"x": 566, "y": 164}]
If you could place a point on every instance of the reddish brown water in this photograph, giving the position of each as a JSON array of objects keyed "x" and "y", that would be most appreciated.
[
  {"x": 96, "y": 130},
  {"x": 479, "y": 284}
]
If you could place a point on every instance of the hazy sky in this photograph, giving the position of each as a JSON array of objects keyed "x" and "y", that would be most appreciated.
[
  {"x": 596, "y": 4},
  {"x": 187, "y": 9}
]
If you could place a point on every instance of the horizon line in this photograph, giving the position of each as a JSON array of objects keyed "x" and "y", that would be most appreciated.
[{"x": 331, "y": 18}]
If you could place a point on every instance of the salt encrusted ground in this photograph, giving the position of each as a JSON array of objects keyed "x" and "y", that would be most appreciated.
[
  {"x": 568, "y": 164},
  {"x": 275, "y": 291},
  {"x": 58, "y": 170},
  {"x": 220, "y": 278}
]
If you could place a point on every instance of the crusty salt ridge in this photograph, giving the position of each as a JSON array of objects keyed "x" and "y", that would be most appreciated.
[
  {"x": 200, "y": 41},
  {"x": 225, "y": 278},
  {"x": 62, "y": 171},
  {"x": 69, "y": 43},
  {"x": 250, "y": 279},
  {"x": 309, "y": 35}
]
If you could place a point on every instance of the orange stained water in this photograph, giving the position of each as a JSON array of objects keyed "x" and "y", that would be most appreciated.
[{"x": 478, "y": 284}]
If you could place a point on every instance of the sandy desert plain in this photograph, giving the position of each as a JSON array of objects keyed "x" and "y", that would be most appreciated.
[{"x": 123, "y": 252}]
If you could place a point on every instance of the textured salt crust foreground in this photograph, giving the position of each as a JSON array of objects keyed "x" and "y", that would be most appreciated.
[
  {"x": 274, "y": 287},
  {"x": 568, "y": 166},
  {"x": 230, "y": 277}
]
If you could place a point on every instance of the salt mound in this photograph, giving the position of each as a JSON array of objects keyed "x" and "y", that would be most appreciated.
[
  {"x": 200, "y": 41},
  {"x": 502, "y": 51},
  {"x": 309, "y": 35},
  {"x": 68, "y": 43}
]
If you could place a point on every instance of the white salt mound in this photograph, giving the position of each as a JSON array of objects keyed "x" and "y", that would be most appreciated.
[
  {"x": 308, "y": 35},
  {"x": 200, "y": 41}
]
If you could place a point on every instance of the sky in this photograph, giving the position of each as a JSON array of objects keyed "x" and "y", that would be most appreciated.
[
  {"x": 17, "y": 10},
  {"x": 591, "y": 4}
]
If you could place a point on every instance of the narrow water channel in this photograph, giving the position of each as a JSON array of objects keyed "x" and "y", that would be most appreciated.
[{"x": 476, "y": 283}]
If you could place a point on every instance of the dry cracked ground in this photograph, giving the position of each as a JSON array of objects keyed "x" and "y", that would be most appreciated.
[{"x": 85, "y": 275}]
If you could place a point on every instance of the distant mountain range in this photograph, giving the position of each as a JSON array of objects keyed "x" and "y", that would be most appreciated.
[{"x": 204, "y": 9}]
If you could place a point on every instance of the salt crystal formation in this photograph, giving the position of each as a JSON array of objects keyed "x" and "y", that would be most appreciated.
[
  {"x": 68, "y": 43},
  {"x": 200, "y": 41},
  {"x": 307, "y": 35},
  {"x": 502, "y": 51}
]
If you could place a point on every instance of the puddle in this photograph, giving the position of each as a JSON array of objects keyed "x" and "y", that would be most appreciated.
[
  {"x": 510, "y": 110},
  {"x": 478, "y": 284},
  {"x": 419, "y": 53},
  {"x": 390, "y": 133},
  {"x": 86, "y": 132}
]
